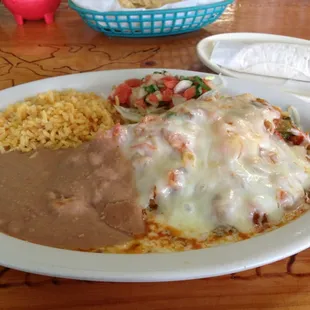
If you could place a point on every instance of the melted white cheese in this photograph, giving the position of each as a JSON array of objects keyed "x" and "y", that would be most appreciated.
[{"x": 214, "y": 163}]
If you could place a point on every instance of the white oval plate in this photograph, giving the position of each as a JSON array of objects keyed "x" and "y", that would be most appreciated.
[
  {"x": 215, "y": 261},
  {"x": 206, "y": 45}
]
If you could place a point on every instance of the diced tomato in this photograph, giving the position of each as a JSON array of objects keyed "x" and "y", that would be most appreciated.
[
  {"x": 152, "y": 99},
  {"x": 150, "y": 118},
  {"x": 145, "y": 145},
  {"x": 123, "y": 92},
  {"x": 208, "y": 83},
  {"x": 277, "y": 133},
  {"x": 139, "y": 103},
  {"x": 144, "y": 149},
  {"x": 296, "y": 140},
  {"x": 190, "y": 93},
  {"x": 167, "y": 95},
  {"x": 170, "y": 81},
  {"x": 276, "y": 121},
  {"x": 281, "y": 196},
  {"x": 147, "y": 78},
  {"x": 133, "y": 82},
  {"x": 172, "y": 179},
  {"x": 116, "y": 130},
  {"x": 175, "y": 140}
]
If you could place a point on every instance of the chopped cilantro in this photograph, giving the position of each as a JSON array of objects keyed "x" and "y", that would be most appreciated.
[
  {"x": 198, "y": 91},
  {"x": 151, "y": 88},
  {"x": 199, "y": 81},
  {"x": 160, "y": 72},
  {"x": 162, "y": 103},
  {"x": 286, "y": 135},
  {"x": 182, "y": 77}
]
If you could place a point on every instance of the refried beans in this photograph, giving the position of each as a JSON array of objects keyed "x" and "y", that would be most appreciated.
[{"x": 81, "y": 198}]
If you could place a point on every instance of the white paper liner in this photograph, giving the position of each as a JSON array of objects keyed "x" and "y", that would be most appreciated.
[
  {"x": 281, "y": 60},
  {"x": 113, "y": 5}
]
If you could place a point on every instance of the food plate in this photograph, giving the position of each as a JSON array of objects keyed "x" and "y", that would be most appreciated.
[
  {"x": 220, "y": 260},
  {"x": 206, "y": 45}
]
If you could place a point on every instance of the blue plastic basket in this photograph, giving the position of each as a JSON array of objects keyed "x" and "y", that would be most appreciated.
[{"x": 152, "y": 23}]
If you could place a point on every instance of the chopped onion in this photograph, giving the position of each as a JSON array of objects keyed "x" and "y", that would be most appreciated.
[
  {"x": 208, "y": 94},
  {"x": 295, "y": 132},
  {"x": 182, "y": 86},
  {"x": 141, "y": 93},
  {"x": 132, "y": 115},
  {"x": 294, "y": 115},
  {"x": 158, "y": 95},
  {"x": 219, "y": 82},
  {"x": 177, "y": 99},
  {"x": 157, "y": 76}
]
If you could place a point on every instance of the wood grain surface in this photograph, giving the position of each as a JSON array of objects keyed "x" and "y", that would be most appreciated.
[{"x": 35, "y": 51}]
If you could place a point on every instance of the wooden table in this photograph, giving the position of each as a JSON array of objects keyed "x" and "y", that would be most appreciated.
[{"x": 37, "y": 51}]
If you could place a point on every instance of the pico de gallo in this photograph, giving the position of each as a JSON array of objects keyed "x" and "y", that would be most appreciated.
[
  {"x": 287, "y": 128},
  {"x": 157, "y": 92}
]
